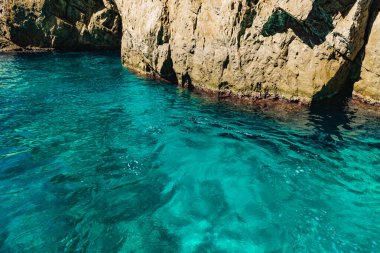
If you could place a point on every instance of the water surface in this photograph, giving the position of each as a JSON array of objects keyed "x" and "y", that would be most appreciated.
[{"x": 96, "y": 159}]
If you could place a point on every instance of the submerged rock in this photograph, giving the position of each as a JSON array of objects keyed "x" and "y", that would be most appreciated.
[{"x": 300, "y": 50}]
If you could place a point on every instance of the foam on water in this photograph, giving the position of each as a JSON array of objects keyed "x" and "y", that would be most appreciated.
[{"x": 95, "y": 159}]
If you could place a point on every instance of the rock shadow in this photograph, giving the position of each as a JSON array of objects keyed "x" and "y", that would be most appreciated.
[
  {"x": 314, "y": 29},
  {"x": 167, "y": 70},
  {"x": 330, "y": 114}
]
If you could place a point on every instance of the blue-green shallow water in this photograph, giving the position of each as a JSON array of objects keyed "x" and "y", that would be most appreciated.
[{"x": 95, "y": 159}]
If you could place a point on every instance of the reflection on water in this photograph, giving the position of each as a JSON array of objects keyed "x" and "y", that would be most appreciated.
[
  {"x": 331, "y": 115},
  {"x": 93, "y": 158}
]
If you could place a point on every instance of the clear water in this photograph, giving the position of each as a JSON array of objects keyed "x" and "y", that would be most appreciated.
[{"x": 96, "y": 159}]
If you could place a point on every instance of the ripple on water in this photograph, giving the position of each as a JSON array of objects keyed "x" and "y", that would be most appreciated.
[{"x": 93, "y": 158}]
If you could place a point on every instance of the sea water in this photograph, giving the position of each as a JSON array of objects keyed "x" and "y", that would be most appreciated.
[{"x": 96, "y": 159}]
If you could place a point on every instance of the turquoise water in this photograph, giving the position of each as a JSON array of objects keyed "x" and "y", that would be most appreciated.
[{"x": 96, "y": 159}]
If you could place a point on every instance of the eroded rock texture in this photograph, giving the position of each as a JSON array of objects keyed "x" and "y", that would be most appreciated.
[
  {"x": 296, "y": 49},
  {"x": 368, "y": 87},
  {"x": 60, "y": 24},
  {"x": 301, "y": 50}
]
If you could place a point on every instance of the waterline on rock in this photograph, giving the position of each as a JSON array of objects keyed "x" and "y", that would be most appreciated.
[{"x": 94, "y": 158}]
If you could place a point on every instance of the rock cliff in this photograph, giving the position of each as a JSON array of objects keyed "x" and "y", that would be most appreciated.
[
  {"x": 60, "y": 24},
  {"x": 300, "y": 50},
  {"x": 368, "y": 86}
]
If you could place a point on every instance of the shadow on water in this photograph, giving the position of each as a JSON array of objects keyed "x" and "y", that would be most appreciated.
[
  {"x": 120, "y": 164},
  {"x": 329, "y": 115}
]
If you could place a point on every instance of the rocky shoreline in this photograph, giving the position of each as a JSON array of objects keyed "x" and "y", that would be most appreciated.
[{"x": 293, "y": 50}]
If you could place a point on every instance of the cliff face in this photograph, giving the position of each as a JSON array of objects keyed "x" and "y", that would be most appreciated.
[
  {"x": 294, "y": 49},
  {"x": 368, "y": 87},
  {"x": 60, "y": 24}
]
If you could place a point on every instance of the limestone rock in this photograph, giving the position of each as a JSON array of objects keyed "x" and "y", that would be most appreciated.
[
  {"x": 299, "y": 9},
  {"x": 298, "y": 50},
  {"x": 368, "y": 87},
  {"x": 63, "y": 24}
]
